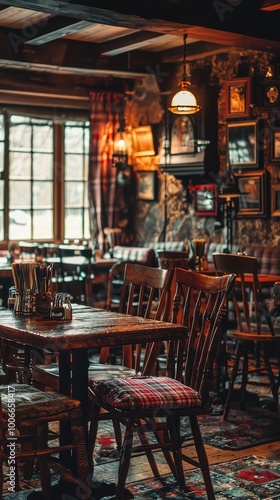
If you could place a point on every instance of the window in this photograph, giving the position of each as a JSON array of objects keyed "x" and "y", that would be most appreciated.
[
  {"x": 76, "y": 160},
  {"x": 44, "y": 178}
]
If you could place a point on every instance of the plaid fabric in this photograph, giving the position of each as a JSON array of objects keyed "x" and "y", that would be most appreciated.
[
  {"x": 102, "y": 177},
  {"x": 146, "y": 393}
]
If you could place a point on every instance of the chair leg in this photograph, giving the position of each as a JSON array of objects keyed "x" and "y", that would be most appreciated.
[
  {"x": 41, "y": 443},
  {"x": 93, "y": 430},
  {"x": 202, "y": 457},
  {"x": 124, "y": 460},
  {"x": 173, "y": 424},
  {"x": 244, "y": 377},
  {"x": 144, "y": 441},
  {"x": 274, "y": 386},
  {"x": 232, "y": 377}
]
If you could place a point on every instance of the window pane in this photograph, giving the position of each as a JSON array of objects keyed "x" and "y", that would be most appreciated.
[
  {"x": 19, "y": 225},
  {"x": 1, "y": 193},
  {"x": 74, "y": 140},
  {"x": 86, "y": 199},
  {"x": 20, "y": 137},
  {"x": 86, "y": 222},
  {"x": 1, "y": 156},
  {"x": 73, "y": 223},
  {"x": 20, "y": 194},
  {"x": 43, "y": 194},
  {"x": 86, "y": 131},
  {"x": 42, "y": 138},
  {"x": 74, "y": 167},
  {"x": 2, "y": 128},
  {"x": 74, "y": 192},
  {"x": 20, "y": 165},
  {"x": 43, "y": 166},
  {"x": 1, "y": 225},
  {"x": 42, "y": 224}
]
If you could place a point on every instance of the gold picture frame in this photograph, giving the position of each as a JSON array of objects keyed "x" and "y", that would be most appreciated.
[
  {"x": 238, "y": 97},
  {"x": 142, "y": 141}
]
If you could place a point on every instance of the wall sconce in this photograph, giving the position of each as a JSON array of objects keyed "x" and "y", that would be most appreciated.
[
  {"x": 120, "y": 156},
  {"x": 184, "y": 102}
]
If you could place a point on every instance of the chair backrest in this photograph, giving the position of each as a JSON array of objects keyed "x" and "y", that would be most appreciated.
[
  {"x": 147, "y": 288},
  {"x": 145, "y": 292},
  {"x": 251, "y": 310},
  {"x": 200, "y": 303}
]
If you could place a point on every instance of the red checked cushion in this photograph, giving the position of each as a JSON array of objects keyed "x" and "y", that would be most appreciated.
[{"x": 146, "y": 393}]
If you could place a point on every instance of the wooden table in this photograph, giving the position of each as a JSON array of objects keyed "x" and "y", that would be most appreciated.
[
  {"x": 89, "y": 328},
  {"x": 265, "y": 280}
]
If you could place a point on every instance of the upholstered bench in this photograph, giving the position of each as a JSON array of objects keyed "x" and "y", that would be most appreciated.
[{"x": 143, "y": 255}]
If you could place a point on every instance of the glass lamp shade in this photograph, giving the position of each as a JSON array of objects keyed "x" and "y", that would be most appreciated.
[
  {"x": 184, "y": 103},
  {"x": 120, "y": 147},
  {"x": 119, "y": 159}
]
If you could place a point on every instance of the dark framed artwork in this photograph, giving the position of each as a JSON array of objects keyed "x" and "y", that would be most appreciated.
[
  {"x": 242, "y": 144},
  {"x": 205, "y": 200},
  {"x": 275, "y": 200},
  {"x": 252, "y": 202},
  {"x": 146, "y": 185},
  {"x": 269, "y": 94},
  {"x": 275, "y": 146},
  {"x": 238, "y": 97}
]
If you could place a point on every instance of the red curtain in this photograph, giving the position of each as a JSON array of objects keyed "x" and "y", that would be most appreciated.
[{"x": 104, "y": 121}]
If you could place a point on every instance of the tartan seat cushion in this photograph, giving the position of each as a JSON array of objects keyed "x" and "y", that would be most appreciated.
[{"x": 146, "y": 393}]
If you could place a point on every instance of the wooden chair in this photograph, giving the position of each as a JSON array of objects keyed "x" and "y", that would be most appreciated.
[
  {"x": 254, "y": 336},
  {"x": 25, "y": 414},
  {"x": 150, "y": 404},
  {"x": 151, "y": 286}
]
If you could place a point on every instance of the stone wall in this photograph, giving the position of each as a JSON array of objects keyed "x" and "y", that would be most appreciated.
[{"x": 170, "y": 216}]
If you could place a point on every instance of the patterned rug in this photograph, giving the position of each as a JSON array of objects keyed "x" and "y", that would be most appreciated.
[
  {"x": 243, "y": 429},
  {"x": 249, "y": 478}
]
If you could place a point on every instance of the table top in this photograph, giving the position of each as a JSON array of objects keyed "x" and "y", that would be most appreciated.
[
  {"x": 89, "y": 327},
  {"x": 264, "y": 279}
]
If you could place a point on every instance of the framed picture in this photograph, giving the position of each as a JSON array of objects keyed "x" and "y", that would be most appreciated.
[
  {"x": 238, "y": 97},
  {"x": 142, "y": 141},
  {"x": 205, "y": 200},
  {"x": 275, "y": 144},
  {"x": 252, "y": 202},
  {"x": 145, "y": 185},
  {"x": 182, "y": 136},
  {"x": 275, "y": 200},
  {"x": 242, "y": 144}
]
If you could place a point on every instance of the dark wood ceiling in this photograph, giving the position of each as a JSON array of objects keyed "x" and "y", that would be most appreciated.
[{"x": 50, "y": 43}]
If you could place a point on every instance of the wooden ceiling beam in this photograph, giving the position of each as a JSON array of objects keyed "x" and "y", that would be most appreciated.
[
  {"x": 145, "y": 15},
  {"x": 56, "y": 28}
]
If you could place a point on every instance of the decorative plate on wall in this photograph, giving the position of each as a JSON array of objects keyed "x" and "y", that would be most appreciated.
[{"x": 269, "y": 94}]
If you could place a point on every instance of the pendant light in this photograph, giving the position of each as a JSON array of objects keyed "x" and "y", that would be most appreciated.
[{"x": 184, "y": 102}]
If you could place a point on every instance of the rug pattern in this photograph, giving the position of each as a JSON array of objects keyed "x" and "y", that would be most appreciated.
[{"x": 249, "y": 478}]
